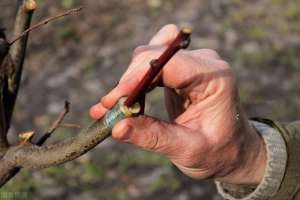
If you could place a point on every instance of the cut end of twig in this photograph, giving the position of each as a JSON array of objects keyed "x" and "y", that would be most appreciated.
[
  {"x": 67, "y": 106},
  {"x": 30, "y": 5},
  {"x": 186, "y": 30},
  {"x": 25, "y": 137}
]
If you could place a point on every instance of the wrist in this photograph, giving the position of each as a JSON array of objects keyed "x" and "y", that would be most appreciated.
[
  {"x": 250, "y": 163},
  {"x": 274, "y": 170}
]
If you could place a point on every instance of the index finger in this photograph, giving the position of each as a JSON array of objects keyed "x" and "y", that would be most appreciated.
[{"x": 163, "y": 37}]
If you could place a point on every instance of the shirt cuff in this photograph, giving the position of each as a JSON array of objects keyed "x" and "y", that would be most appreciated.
[{"x": 274, "y": 172}]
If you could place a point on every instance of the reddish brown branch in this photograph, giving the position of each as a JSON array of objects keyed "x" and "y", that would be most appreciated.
[
  {"x": 43, "y": 22},
  {"x": 181, "y": 41}
]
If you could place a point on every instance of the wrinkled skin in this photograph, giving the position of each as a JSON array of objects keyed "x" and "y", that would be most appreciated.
[{"x": 208, "y": 135}]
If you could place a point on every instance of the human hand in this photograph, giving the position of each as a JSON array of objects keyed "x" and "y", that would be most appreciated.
[{"x": 208, "y": 135}]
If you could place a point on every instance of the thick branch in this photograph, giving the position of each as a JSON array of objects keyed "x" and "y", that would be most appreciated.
[
  {"x": 11, "y": 69},
  {"x": 8, "y": 171},
  {"x": 35, "y": 157},
  {"x": 4, "y": 47},
  {"x": 10, "y": 77},
  {"x": 17, "y": 52}
]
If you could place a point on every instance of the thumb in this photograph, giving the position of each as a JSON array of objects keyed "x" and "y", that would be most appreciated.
[{"x": 149, "y": 133}]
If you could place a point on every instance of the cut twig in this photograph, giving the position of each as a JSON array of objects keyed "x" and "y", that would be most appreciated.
[
  {"x": 45, "y": 21},
  {"x": 55, "y": 125},
  {"x": 25, "y": 137},
  {"x": 68, "y": 125},
  {"x": 180, "y": 42}
]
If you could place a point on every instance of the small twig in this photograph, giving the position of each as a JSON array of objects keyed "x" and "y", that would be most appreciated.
[
  {"x": 45, "y": 21},
  {"x": 55, "y": 125},
  {"x": 68, "y": 125}
]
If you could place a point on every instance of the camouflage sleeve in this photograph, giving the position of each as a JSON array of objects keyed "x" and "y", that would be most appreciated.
[{"x": 281, "y": 180}]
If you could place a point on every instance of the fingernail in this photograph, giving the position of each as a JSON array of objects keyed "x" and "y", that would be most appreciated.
[{"x": 97, "y": 111}]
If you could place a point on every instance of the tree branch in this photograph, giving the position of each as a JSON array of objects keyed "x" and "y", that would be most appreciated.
[
  {"x": 34, "y": 157},
  {"x": 11, "y": 69},
  {"x": 7, "y": 171},
  {"x": 11, "y": 66},
  {"x": 45, "y": 21},
  {"x": 4, "y": 47},
  {"x": 31, "y": 156},
  {"x": 17, "y": 52}
]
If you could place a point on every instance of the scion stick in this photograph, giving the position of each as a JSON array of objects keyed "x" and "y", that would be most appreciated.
[{"x": 180, "y": 42}]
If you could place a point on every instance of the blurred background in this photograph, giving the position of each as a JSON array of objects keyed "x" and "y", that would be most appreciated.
[{"x": 81, "y": 57}]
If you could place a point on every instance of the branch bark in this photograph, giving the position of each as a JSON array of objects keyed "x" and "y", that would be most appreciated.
[
  {"x": 4, "y": 48},
  {"x": 10, "y": 76},
  {"x": 17, "y": 52},
  {"x": 32, "y": 156},
  {"x": 7, "y": 171},
  {"x": 11, "y": 68},
  {"x": 12, "y": 56}
]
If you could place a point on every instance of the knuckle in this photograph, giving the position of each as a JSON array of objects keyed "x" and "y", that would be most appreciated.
[
  {"x": 151, "y": 136},
  {"x": 151, "y": 141}
]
